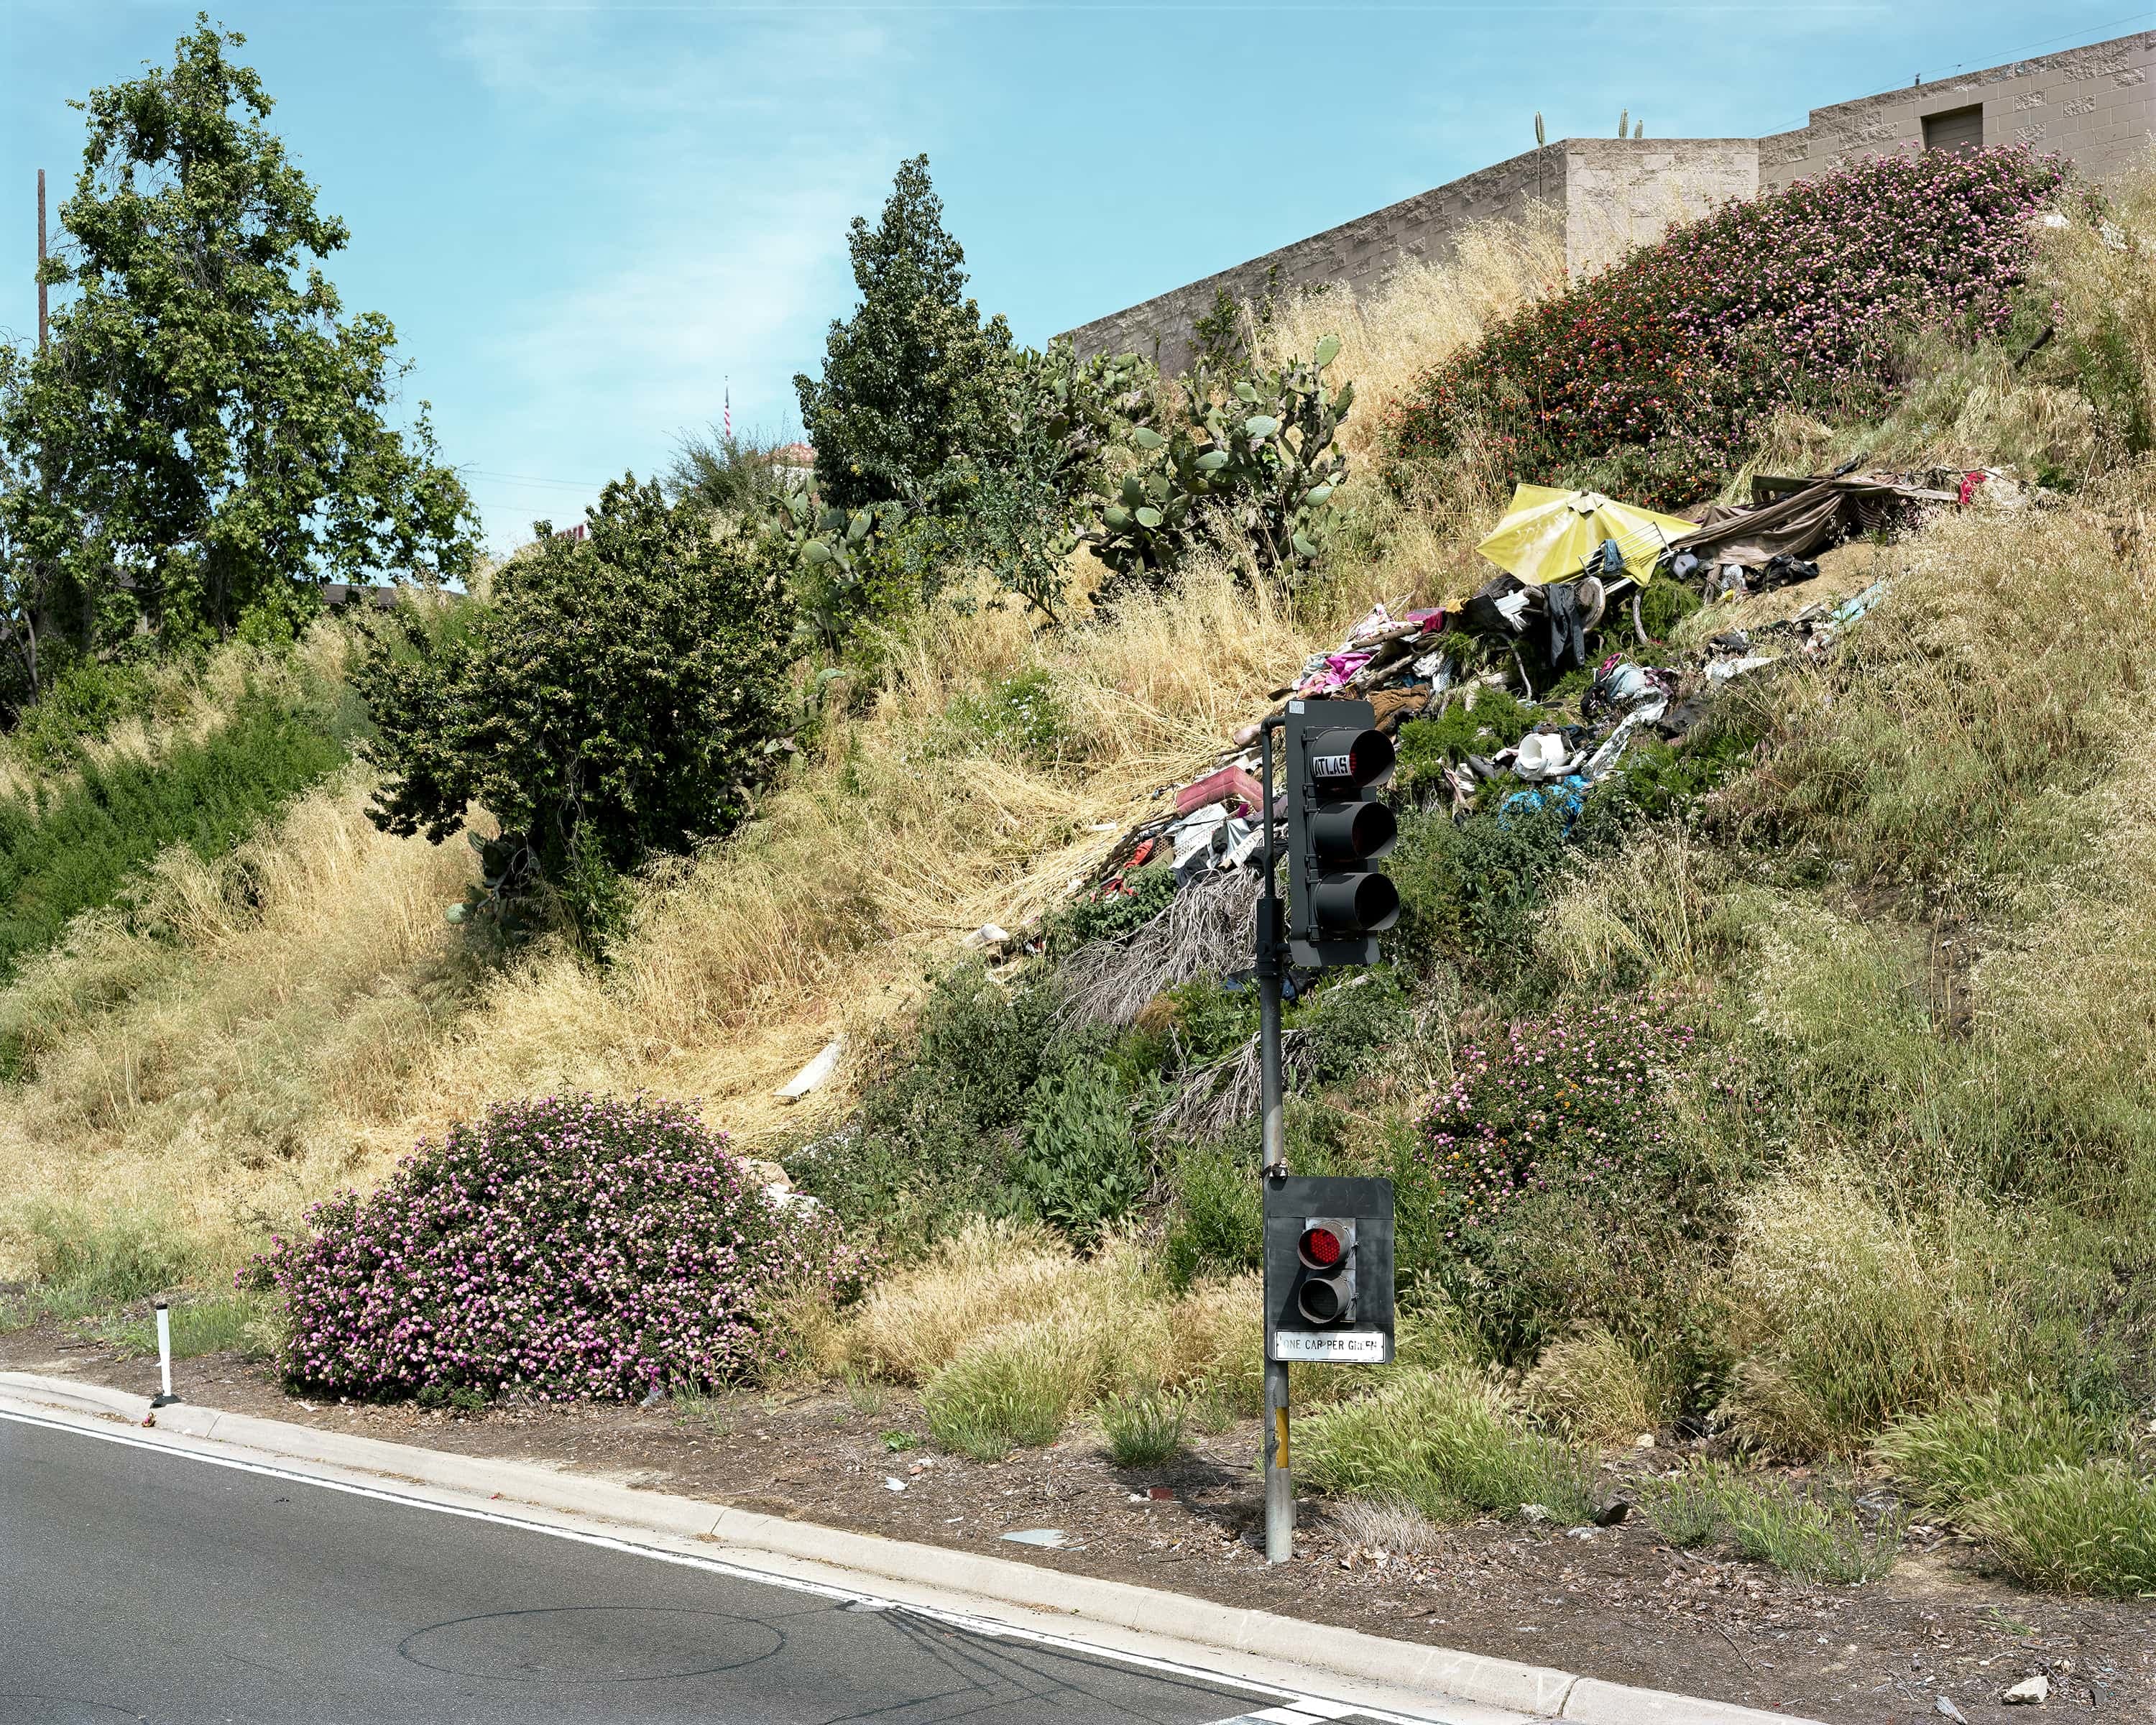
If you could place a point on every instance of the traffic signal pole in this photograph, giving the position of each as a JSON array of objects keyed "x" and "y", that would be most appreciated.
[{"x": 1271, "y": 953}]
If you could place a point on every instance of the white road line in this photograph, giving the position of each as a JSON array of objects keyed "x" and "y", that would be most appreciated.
[{"x": 1292, "y": 1708}]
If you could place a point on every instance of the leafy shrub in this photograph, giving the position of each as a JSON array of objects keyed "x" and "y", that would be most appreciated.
[
  {"x": 1356, "y": 1026},
  {"x": 1113, "y": 912},
  {"x": 1144, "y": 1428},
  {"x": 939, "y": 1110},
  {"x": 574, "y": 1246},
  {"x": 1495, "y": 722},
  {"x": 1470, "y": 893},
  {"x": 1957, "y": 1455},
  {"x": 1021, "y": 717},
  {"x": 1659, "y": 371},
  {"x": 2085, "y": 1529},
  {"x": 75, "y": 848},
  {"x": 1562, "y": 1186},
  {"x": 619, "y": 692},
  {"x": 1216, "y": 1223},
  {"x": 1438, "y": 1441},
  {"x": 1081, "y": 1164},
  {"x": 83, "y": 699}
]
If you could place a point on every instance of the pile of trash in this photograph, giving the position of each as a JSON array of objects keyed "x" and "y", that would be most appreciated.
[{"x": 1574, "y": 568}]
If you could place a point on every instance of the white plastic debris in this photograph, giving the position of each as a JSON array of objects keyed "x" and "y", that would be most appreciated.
[
  {"x": 1048, "y": 1538},
  {"x": 813, "y": 1075},
  {"x": 988, "y": 934},
  {"x": 891, "y": 1482},
  {"x": 2028, "y": 1692}
]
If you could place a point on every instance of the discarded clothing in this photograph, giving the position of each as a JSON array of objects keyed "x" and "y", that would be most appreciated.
[{"x": 1566, "y": 643}]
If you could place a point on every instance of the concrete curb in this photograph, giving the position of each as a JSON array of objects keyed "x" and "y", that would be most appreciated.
[{"x": 1262, "y": 1646}]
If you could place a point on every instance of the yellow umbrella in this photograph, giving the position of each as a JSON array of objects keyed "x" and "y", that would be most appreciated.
[{"x": 1548, "y": 535}]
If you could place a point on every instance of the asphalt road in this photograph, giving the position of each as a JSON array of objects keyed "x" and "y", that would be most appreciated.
[{"x": 135, "y": 1585}]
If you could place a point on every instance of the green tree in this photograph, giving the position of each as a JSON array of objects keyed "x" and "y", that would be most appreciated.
[
  {"x": 913, "y": 380},
  {"x": 617, "y": 697},
  {"x": 207, "y": 432}
]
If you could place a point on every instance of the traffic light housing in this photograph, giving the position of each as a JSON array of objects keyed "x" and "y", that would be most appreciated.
[
  {"x": 1328, "y": 1269},
  {"x": 1337, "y": 826}
]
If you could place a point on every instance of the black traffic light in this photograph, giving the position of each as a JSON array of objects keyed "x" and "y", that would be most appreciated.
[
  {"x": 1337, "y": 763},
  {"x": 1325, "y": 1293},
  {"x": 1328, "y": 1269}
]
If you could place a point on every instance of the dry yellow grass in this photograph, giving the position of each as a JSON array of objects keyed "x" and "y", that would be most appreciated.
[{"x": 298, "y": 1017}]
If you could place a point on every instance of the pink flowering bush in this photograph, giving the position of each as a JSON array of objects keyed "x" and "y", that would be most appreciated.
[
  {"x": 571, "y": 1247},
  {"x": 1660, "y": 371},
  {"x": 1564, "y": 1184}
]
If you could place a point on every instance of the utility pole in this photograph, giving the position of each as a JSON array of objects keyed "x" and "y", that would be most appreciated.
[
  {"x": 43, "y": 336},
  {"x": 1272, "y": 956}
]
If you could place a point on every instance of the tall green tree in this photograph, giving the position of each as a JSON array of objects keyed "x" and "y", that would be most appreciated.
[
  {"x": 208, "y": 430},
  {"x": 913, "y": 380},
  {"x": 619, "y": 695}
]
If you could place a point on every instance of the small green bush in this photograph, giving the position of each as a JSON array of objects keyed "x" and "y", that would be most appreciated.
[
  {"x": 84, "y": 701},
  {"x": 938, "y": 1109},
  {"x": 1664, "y": 605},
  {"x": 1470, "y": 893},
  {"x": 1685, "y": 1508},
  {"x": 1959, "y": 1454},
  {"x": 1495, "y": 721},
  {"x": 1143, "y": 896},
  {"x": 1216, "y": 1221},
  {"x": 1816, "y": 1539},
  {"x": 1081, "y": 1164},
  {"x": 1436, "y": 1440},
  {"x": 2080, "y": 1528},
  {"x": 1013, "y": 1390},
  {"x": 1021, "y": 717},
  {"x": 1143, "y": 1429},
  {"x": 1357, "y": 1026}
]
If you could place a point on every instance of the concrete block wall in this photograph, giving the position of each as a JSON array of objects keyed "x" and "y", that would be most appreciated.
[
  {"x": 1357, "y": 255},
  {"x": 2092, "y": 105}
]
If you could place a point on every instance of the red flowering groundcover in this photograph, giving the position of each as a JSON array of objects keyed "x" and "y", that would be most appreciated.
[{"x": 1662, "y": 368}]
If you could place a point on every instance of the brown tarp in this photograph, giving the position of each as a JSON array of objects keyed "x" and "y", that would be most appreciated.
[{"x": 1799, "y": 516}]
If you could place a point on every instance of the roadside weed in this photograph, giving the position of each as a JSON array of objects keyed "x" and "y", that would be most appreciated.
[
  {"x": 2090, "y": 1528},
  {"x": 1143, "y": 1429}
]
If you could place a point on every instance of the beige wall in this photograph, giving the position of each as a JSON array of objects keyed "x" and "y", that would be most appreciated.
[
  {"x": 2089, "y": 104},
  {"x": 1621, "y": 193}
]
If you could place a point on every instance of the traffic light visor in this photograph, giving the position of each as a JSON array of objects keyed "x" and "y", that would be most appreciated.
[
  {"x": 1350, "y": 756},
  {"x": 1368, "y": 903},
  {"x": 1353, "y": 832}
]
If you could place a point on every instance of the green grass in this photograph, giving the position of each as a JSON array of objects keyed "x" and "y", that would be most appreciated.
[
  {"x": 2087, "y": 1529},
  {"x": 1816, "y": 1536},
  {"x": 1686, "y": 1508},
  {"x": 1144, "y": 1430},
  {"x": 218, "y": 1323},
  {"x": 1008, "y": 1392},
  {"x": 89, "y": 1265},
  {"x": 1436, "y": 1440},
  {"x": 1960, "y": 1454},
  {"x": 75, "y": 848}
]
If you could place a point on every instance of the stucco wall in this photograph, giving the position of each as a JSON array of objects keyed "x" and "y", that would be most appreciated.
[{"x": 2090, "y": 103}]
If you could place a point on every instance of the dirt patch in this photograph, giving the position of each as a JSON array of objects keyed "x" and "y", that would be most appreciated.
[{"x": 1614, "y": 1602}]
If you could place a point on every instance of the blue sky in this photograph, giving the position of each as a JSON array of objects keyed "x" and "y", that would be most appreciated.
[{"x": 583, "y": 218}]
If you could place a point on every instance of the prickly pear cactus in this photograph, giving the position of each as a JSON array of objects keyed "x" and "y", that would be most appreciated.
[{"x": 1253, "y": 465}]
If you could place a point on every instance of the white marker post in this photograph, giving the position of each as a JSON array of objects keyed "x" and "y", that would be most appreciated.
[{"x": 165, "y": 1355}]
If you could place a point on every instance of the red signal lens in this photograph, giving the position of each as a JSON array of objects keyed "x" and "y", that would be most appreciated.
[{"x": 1321, "y": 1246}]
